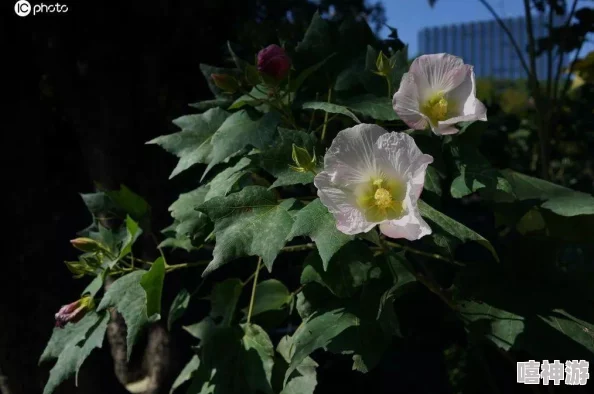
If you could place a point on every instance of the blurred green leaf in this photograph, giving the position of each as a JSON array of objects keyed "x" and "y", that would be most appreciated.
[
  {"x": 270, "y": 295},
  {"x": 331, "y": 108},
  {"x": 178, "y": 307},
  {"x": 378, "y": 108},
  {"x": 223, "y": 300}
]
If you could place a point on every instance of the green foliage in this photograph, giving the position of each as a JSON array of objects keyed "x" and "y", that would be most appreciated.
[
  {"x": 506, "y": 262},
  {"x": 71, "y": 346},
  {"x": 137, "y": 297}
]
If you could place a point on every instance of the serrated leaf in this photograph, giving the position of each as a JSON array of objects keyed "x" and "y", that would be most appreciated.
[
  {"x": 317, "y": 332},
  {"x": 224, "y": 181},
  {"x": 178, "y": 307},
  {"x": 129, "y": 296},
  {"x": 277, "y": 159},
  {"x": 348, "y": 271},
  {"x": 186, "y": 374},
  {"x": 193, "y": 143},
  {"x": 191, "y": 222},
  {"x": 248, "y": 223},
  {"x": 378, "y": 108},
  {"x": 123, "y": 240},
  {"x": 72, "y": 345},
  {"x": 316, "y": 222},
  {"x": 133, "y": 204},
  {"x": 259, "y": 358},
  {"x": 270, "y": 295},
  {"x": 331, "y": 108},
  {"x": 96, "y": 285},
  {"x": 224, "y": 299},
  {"x": 240, "y": 130},
  {"x": 454, "y": 228}
]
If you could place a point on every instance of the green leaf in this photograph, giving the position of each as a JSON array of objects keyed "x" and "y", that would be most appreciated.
[
  {"x": 475, "y": 173},
  {"x": 248, "y": 223},
  {"x": 331, "y": 108},
  {"x": 558, "y": 199},
  {"x": 224, "y": 299},
  {"x": 349, "y": 269},
  {"x": 271, "y": 295},
  {"x": 277, "y": 159},
  {"x": 317, "y": 332},
  {"x": 191, "y": 223},
  {"x": 186, "y": 373},
  {"x": 317, "y": 42},
  {"x": 133, "y": 204},
  {"x": 72, "y": 345},
  {"x": 302, "y": 77},
  {"x": 259, "y": 358},
  {"x": 193, "y": 143},
  {"x": 96, "y": 285},
  {"x": 399, "y": 60},
  {"x": 378, "y": 108},
  {"x": 316, "y": 222},
  {"x": 303, "y": 379},
  {"x": 121, "y": 245},
  {"x": 152, "y": 282},
  {"x": 224, "y": 181},
  {"x": 128, "y": 295},
  {"x": 202, "y": 329},
  {"x": 454, "y": 228},
  {"x": 240, "y": 130},
  {"x": 178, "y": 307},
  {"x": 432, "y": 181},
  {"x": 257, "y": 98}
]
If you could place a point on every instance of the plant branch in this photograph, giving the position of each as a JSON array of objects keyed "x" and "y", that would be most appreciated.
[
  {"x": 560, "y": 52},
  {"x": 298, "y": 248},
  {"x": 423, "y": 253},
  {"x": 253, "y": 297},
  {"x": 169, "y": 268}
]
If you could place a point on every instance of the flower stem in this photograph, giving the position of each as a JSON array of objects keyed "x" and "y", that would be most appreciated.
[
  {"x": 299, "y": 248},
  {"x": 423, "y": 253},
  {"x": 253, "y": 297},
  {"x": 326, "y": 115},
  {"x": 169, "y": 268}
]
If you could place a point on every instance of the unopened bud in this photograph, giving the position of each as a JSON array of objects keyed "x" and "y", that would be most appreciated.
[
  {"x": 303, "y": 160},
  {"x": 225, "y": 82},
  {"x": 88, "y": 245},
  {"x": 79, "y": 268},
  {"x": 252, "y": 77},
  {"x": 274, "y": 62},
  {"x": 383, "y": 64},
  {"x": 73, "y": 312}
]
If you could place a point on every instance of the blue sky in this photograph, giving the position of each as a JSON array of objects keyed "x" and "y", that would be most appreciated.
[{"x": 410, "y": 16}]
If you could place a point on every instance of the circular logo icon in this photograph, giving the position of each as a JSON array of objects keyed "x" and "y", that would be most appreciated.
[{"x": 22, "y": 8}]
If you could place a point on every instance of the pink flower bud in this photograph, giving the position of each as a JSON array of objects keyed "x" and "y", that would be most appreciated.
[
  {"x": 273, "y": 61},
  {"x": 74, "y": 311}
]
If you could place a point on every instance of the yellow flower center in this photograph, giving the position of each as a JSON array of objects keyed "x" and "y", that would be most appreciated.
[
  {"x": 381, "y": 199},
  {"x": 436, "y": 108}
]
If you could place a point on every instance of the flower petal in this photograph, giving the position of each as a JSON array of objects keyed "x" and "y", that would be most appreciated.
[
  {"x": 349, "y": 219},
  {"x": 399, "y": 152},
  {"x": 406, "y": 103},
  {"x": 464, "y": 98},
  {"x": 410, "y": 227},
  {"x": 437, "y": 72},
  {"x": 351, "y": 158}
]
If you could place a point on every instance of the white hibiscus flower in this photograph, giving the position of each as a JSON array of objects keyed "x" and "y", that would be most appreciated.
[
  {"x": 374, "y": 177},
  {"x": 438, "y": 91}
]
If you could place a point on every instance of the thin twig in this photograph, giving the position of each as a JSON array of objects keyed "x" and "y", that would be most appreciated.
[
  {"x": 298, "y": 248},
  {"x": 253, "y": 297},
  {"x": 326, "y": 115},
  {"x": 169, "y": 268},
  {"x": 426, "y": 254}
]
